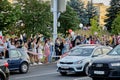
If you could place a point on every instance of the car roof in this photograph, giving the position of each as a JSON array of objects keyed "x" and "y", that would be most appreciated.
[
  {"x": 87, "y": 46},
  {"x": 12, "y": 49}
]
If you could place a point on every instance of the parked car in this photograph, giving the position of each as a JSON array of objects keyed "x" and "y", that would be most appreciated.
[
  {"x": 4, "y": 71},
  {"x": 17, "y": 59},
  {"x": 79, "y": 58},
  {"x": 106, "y": 67}
]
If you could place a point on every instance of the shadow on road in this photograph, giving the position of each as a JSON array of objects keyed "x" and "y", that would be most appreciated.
[
  {"x": 14, "y": 73},
  {"x": 75, "y": 75}
]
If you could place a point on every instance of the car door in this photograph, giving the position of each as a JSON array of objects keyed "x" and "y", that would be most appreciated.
[
  {"x": 97, "y": 52},
  {"x": 14, "y": 59}
]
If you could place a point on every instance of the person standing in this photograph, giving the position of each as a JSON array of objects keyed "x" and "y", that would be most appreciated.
[
  {"x": 66, "y": 46},
  {"x": 35, "y": 55},
  {"x": 57, "y": 48},
  {"x": 46, "y": 51},
  {"x": 39, "y": 51},
  {"x": 51, "y": 50}
]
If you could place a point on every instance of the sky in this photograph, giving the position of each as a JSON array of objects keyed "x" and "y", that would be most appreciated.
[{"x": 106, "y": 2}]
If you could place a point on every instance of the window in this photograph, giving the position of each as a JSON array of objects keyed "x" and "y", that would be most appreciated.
[
  {"x": 105, "y": 50},
  {"x": 97, "y": 52},
  {"x": 81, "y": 52},
  {"x": 115, "y": 51},
  {"x": 14, "y": 54}
]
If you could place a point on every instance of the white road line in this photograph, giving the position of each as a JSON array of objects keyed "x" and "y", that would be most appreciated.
[
  {"x": 36, "y": 75},
  {"x": 83, "y": 78}
]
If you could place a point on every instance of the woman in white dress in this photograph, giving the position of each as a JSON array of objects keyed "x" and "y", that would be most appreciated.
[
  {"x": 34, "y": 49},
  {"x": 40, "y": 52}
]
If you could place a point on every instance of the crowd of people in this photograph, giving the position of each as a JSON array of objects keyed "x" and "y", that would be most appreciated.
[{"x": 40, "y": 50}]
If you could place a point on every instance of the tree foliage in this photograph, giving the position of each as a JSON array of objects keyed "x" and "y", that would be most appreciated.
[
  {"x": 78, "y": 6},
  {"x": 94, "y": 25},
  {"x": 112, "y": 13},
  {"x": 36, "y": 17},
  {"x": 68, "y": 20},
  {"x": 9, "y": 14},
  {"x": 91, "y": 12},
  {"x": 116, "y": 25},
  {"x": 85, "y": 14}
]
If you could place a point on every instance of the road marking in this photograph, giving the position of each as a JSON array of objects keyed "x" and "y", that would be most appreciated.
[
  {"x": 30, "y": 76},
  {"x": 83, "y": 78}
]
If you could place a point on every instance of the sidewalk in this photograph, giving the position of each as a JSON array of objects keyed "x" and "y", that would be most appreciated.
[{"x": 43, "y": 63}]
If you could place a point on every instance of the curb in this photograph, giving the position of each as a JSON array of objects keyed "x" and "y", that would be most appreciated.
[{"x": 32, "y": 65}]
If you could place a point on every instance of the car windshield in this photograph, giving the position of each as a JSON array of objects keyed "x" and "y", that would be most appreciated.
[
  {"x": 81, "y": 52},
  {"x": 115, "y": 51}
]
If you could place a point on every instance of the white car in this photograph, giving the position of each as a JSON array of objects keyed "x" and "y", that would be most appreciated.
[{"x": 79, "y": 58}]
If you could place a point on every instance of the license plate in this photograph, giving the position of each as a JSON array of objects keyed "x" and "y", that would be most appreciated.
[
  {"x": 99, "y": 72},
  {"x": 65, "y": 67}
]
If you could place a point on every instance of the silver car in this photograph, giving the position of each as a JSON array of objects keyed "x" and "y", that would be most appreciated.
[{"x": 79, "y": 58}]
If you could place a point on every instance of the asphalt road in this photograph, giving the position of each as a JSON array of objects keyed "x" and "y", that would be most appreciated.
[{"x": 45, "y": 72}]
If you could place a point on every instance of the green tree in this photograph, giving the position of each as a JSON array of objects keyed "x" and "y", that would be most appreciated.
[
  {"x": 68, "y": 20},
  {"x": 116, "y": 25},
  {"x": 94, "y": 25},
  {"x": 15, "y": 16},
  {"x": 78, "y": 6},
  {"x": 9, "y": 15},
  {"x": 36, "y": 17},
  {"x": 112, "y": 13},
  {"x": 91, "y": 12}
]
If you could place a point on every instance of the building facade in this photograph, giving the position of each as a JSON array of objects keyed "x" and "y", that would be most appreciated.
[{"x": 102, "y": 10}]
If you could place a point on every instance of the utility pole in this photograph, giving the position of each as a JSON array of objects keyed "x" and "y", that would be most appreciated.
[
  {"x": 57, "y": 7},
  {"x": 55, "y": 18}
]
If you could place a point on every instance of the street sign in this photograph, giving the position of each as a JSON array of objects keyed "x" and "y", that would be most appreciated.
[{"x": 61, "y": 5}]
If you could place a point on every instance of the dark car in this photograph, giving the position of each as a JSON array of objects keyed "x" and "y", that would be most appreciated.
[
  {"x": 17, "y": 59},
  {"x": 4, "y": 71},
  {"x": 107, "y": 66}
]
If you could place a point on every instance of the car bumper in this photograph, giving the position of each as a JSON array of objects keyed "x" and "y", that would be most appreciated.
[
  {"x": 7, "y": 72},
  {"x": 70, "y": 68},
  {"x": 110, "y": 72}
]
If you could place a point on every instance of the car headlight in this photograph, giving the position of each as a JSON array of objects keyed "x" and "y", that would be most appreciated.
[
  {"x": 115, "y": 64},
  {"x": 79, "y": 62}
]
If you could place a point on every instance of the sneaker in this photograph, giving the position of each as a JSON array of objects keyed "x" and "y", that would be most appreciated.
[
  {"x": 39, "y": 63},
  {"x": 34, "y": 63},
  {"x": 31, "y": 64}
]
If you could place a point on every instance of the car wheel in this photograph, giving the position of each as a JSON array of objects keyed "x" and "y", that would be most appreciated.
[
  {"x": 63, "y": 73},
  {"x": 2, "y": 77},
  {"x": 86, "y": 69},
  {"x": 24, "y": 68}
]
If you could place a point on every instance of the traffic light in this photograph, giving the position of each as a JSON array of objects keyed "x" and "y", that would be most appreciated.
[{"x": 61, "y": 5}]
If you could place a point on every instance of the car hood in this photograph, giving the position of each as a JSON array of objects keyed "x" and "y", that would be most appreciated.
[
  {"x": 106, "y": 59},
  {"x": 72, "y": 58}
]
